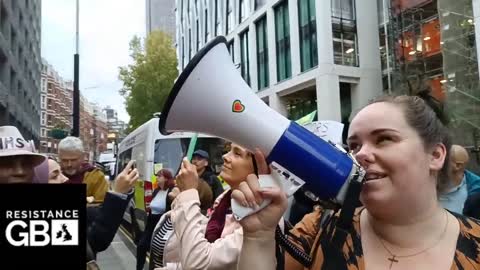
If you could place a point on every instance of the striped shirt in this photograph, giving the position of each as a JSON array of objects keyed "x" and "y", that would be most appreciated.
[{"x": 159, "y": 242}]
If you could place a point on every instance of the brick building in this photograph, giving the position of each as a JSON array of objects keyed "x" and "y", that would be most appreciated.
[
  {"x": 56, "y": 114},
  {"x": 56, "y": 107}
]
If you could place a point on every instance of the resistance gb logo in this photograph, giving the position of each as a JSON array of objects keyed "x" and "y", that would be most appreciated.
[{"x": 42, "y": 228}]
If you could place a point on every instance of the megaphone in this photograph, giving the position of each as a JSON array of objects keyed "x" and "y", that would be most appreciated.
[{"x": 211, "y": 97}]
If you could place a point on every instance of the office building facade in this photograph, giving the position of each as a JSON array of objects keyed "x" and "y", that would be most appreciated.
[
  {"x": 20, "y": 66},
  {"x": 297, "y": 55}
]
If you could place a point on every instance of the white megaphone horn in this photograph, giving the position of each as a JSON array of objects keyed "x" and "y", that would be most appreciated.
[{"x": 211, "y": 97}]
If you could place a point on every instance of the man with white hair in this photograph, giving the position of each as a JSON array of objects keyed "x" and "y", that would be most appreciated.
[{"x": 71, "y": 156}]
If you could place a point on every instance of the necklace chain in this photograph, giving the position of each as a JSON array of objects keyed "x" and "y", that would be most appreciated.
[{"x": 393, "y": 258}]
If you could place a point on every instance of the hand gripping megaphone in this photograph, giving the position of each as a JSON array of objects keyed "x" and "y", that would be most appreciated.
[{"x": 211, "y": 97}]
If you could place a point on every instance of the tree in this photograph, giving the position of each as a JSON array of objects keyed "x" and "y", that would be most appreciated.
[{"x": 148, "y": 81}]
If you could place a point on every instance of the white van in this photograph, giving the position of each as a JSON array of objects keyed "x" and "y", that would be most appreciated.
[{"x": 154, "y": 151}]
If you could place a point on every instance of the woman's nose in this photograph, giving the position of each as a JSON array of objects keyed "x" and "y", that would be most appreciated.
[
  {"x": 365, "y": 156},
  {"x": 226, "y": 158}
]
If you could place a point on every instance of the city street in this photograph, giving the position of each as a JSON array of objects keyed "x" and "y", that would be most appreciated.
[{"x": 120, "y": 255}]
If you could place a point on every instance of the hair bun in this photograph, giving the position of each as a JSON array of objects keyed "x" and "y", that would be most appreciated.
[{"x": 437, "y": 106}]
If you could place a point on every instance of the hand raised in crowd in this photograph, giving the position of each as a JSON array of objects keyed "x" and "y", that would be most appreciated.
[
  {"x": 126, "y": 180},
  {"x": 249, "y": 193},
  {"x": 187, "y": 178},
  {"x": 174, "y": 193}
]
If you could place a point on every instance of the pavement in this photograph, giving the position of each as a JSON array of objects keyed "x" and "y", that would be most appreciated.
[{"x": 120, "y": 255}]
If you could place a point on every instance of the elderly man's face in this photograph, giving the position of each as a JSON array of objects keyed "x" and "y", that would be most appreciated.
[
  {"x": 16, "y": 169},
  {"x": 70, "y": 161}
]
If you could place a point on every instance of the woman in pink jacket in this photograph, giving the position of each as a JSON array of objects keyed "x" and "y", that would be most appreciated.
[{"x": 213, "y": 243}]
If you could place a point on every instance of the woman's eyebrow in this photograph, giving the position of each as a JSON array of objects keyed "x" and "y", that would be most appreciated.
[
  {"x": 382, "y": 130},
  {"x": 375, "y": 132}
]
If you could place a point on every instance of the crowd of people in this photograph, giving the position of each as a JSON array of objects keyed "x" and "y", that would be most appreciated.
[{"x": 418, "y": 205}]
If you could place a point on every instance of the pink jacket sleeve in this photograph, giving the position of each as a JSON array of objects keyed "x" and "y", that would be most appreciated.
[{"x": 195, "y": 251}]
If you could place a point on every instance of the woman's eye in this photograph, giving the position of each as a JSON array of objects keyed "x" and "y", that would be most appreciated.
[
  {"x": 383, "y": 139},
  {"x": 354, "y": 147}
]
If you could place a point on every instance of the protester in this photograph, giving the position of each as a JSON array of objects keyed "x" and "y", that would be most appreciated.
[
  {"x": 463, "y": 183},
  {"x": 402, "y": 225},
  {"x": 165, "y": 246},
  {"x": 158, "y": 206},
  {"x": 71, "y": 156},
  {"x": 55, "y": 175},
  {"x": 108, "y": 217},
  {"x": 200, "y": 160},
  {"x": 17, "y": 161},
  {"x": 216, "y": 243}
]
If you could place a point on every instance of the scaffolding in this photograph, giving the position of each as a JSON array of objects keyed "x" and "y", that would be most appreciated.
[{"x": 431, "y": 45}]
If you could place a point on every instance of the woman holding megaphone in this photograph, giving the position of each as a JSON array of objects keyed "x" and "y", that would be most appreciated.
[{"x": 401, "y": 225}]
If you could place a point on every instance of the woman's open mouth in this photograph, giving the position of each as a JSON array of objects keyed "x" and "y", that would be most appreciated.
[{"x": 373, "y": 176}]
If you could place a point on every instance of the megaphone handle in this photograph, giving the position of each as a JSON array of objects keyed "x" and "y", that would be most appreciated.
[{"x": 265, "y": 180}]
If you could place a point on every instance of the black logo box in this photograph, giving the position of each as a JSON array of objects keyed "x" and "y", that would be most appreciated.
[{"x": 43, "y": 197}]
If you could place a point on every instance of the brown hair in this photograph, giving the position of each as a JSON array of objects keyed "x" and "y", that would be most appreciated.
[
  {"x": 205, "y": 195},
  {"x": 169, "y": 182},
  {"x": 425, "y": 115}
]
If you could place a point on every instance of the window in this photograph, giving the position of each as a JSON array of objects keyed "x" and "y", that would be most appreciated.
[
  {"x": 44, "y": 85},
  {"x": 308, "y": 34},
  {"x": 190, "y": 45},
  {"x": 181, "y": 11},
  {"x": 218, "y": 14},
  {"x": 282, "y": 39},
  {"x": 169, "y": 152},
  {"x": 13, "y": 39},
  {"x": 188, "y": 12},
  {"x": 44, "y": 118},
  {"x": 344, "y": 33},
  {"x": 183, "y": 53},
  {"x": 197, "y": 25},
  {"x": 244, "y": 55},
  {"x": 345, "y": 48},
  {"x": 259, "y": 3},
  {"x": 43, "y": 132},
  {"x": 231, "y": 49},
  {"x": 343, "y": 9},
  {"x": 242, "y": 11},
  {"x": 262, "y": 53},
  {"x": 345, "y": 107},
  {"x": 197, "y": 9},
  {"x": 43, "y": 102},
  {"x": 198, "y": 35},
  {"x": 207, "y": 32},
  {"x": 229, "y": 16}
]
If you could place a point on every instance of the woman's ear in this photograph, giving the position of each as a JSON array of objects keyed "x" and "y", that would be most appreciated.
[{"x": 437, "y": 156}]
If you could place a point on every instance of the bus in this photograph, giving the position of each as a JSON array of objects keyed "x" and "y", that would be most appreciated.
[{"x": 153, "y": 151}]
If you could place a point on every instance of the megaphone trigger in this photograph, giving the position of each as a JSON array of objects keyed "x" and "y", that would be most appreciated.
[
  {"x": 289, "y": 182},
  {"x": 279, "y": 177}
]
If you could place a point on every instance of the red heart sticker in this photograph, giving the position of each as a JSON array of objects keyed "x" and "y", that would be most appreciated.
[{"x": 237, "y": 106}]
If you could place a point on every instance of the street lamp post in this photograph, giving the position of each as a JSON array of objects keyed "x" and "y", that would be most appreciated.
[{"x": 76, "y": 90}]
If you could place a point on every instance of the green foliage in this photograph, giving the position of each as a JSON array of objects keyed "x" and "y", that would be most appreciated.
[{"x": 149, "y": 79}]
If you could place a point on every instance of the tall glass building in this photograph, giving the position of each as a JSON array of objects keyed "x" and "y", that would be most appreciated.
[{"x": 297, "y": 55}]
